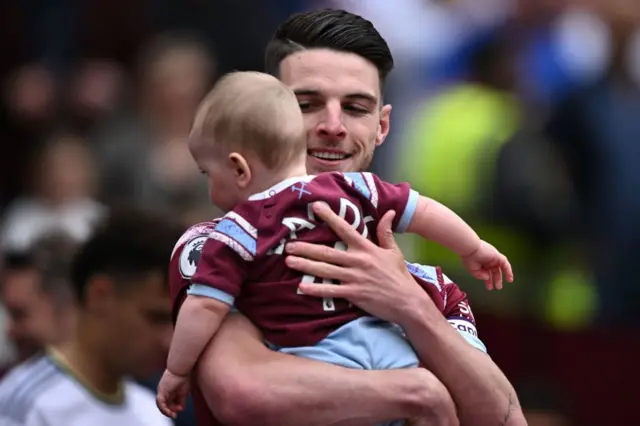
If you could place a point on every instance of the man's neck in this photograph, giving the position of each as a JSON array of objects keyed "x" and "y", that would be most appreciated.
[{"x": 88, "y": 364}]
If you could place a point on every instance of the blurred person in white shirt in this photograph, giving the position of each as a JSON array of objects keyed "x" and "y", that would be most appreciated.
[
  {"x": 123, "y": 332},
  {"x": 62, "y": 182},
  {"x": 36, "y": 294},
  {"x": 141, "y": 151}
]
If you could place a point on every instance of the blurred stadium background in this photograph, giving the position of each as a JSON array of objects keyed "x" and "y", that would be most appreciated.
[{"x": 522, "y": 115}]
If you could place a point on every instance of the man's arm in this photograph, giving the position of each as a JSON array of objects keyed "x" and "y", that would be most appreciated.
[
  {"x": 243, "y": 381},
  {"x": 376, "y": 279},
  {"x": 482, "y": 392}
]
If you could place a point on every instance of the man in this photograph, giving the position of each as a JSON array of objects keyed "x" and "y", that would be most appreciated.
[
  {"x": 336, "y": 63},
  {"x": 37, "y": 296},
  {"x": 124, "y": 328}
]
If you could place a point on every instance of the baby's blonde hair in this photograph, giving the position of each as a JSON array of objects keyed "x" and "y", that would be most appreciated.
[{"x": 251, "y": 112}]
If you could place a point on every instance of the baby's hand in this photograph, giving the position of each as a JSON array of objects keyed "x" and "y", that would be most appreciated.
[
  {"x": 488, "y": 264},
  {"x": 172, "y": 394}
]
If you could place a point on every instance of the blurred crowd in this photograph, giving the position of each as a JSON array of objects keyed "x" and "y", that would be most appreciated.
[{"x": 521, "y": 115}]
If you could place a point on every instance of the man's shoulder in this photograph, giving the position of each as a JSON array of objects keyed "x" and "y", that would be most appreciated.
[
  {"x": 137, "y": 392},
  {"x": 33, "y": 373},
  {"x": 434, "y": 276},
  {"x": 451, "y": 299},
  {"x": 24, "y": 387}
]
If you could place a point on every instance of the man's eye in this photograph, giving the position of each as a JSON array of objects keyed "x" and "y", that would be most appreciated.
[
  {"x": 355, "y": 109},
  {"x": 159, "y": 318}
]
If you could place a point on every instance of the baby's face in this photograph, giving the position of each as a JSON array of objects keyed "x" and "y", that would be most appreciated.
[{"x": 223, "y": 189}]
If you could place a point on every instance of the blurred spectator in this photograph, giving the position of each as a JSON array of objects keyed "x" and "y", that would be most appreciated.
[
  {"x": 237, "y": 30},
  {"x": 96, "y": 91},
  {"x": 36, "y": 293},
  {"x": 30, "y": 94},
  {"x": 452, "y": 142},
  {"x": 143, "y": 154},
  {"x": 123, "y": 329},
  {"x": 62, "y": 188},
  {"x": 597, "y": 130}
]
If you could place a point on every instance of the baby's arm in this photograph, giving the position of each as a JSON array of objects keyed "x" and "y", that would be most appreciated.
[
  {"x": 430, "y": 219},
  {"x": 221, "y": 269},
  {"x": 217, "y": 281},
  {"x": 198, "y": 321},
  {"x": 440, "y": 224}
]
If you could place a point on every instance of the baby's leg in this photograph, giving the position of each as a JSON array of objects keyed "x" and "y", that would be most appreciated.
[
  {"x": 367, "y": 343},
  {"x": 390, "y": 350},
  {"x": 388, "y": 346},
  {"x": 343, "y": 347}
]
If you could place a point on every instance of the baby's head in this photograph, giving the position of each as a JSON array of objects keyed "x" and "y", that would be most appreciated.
[{"x": 248, "y": 134}]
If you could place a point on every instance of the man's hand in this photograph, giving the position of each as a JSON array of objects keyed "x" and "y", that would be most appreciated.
[{"x": 374, "y": 278}]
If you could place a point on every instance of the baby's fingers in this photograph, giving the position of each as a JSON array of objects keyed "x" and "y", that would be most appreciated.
[
  {"x": 482, "y": 274},
  {"x": 488, "y": 284},
  {"x": 496, "y": 274},
  {"x": 161, "y": 402},
  {"x": 508, "y": 271},
  {"x": 175, "y": 409},
  {"x": 485, "y": 276}
]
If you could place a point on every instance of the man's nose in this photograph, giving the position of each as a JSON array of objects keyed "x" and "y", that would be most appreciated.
[
  {"x": 165, "y": 337},
  {"x": 13, "y": 330},
  {"x": 331, "y": 125}
]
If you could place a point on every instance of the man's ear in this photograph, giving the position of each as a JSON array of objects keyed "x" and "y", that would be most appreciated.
[
  {"x": 384, "y": 124},
  {"x": 241, "y": 169},
  {"x": 100, "y": 294}
]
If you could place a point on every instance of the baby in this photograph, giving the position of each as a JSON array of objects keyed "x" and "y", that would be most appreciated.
[{"x": 249, "y": 138}]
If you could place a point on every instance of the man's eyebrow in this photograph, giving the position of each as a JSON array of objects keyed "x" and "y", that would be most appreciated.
[{"x": 353, "y": 96}]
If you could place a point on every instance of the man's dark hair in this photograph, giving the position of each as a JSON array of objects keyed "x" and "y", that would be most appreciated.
[
  {"x": 331, "y": 29},
  {"x": 50, "y": 257},
  {"x": 128, "y": 245}
]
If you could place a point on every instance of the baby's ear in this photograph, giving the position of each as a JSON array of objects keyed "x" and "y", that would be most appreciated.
[{"x": 241, "y": 169}]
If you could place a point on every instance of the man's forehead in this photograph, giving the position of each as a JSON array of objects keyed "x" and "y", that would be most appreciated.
[
  {"x": 330, "y": 73},
  {"x": 152, "y": 285},
  {"x": 25, "y": 280}
]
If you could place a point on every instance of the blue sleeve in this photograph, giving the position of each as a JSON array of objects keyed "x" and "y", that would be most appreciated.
[{"x": 213, "y": 293}]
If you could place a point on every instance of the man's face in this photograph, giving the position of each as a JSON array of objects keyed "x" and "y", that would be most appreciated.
[
  {"x": 139, "y": 327},
  {"x": 339, "y": 94},
  {"x": 33, "y": 322}
]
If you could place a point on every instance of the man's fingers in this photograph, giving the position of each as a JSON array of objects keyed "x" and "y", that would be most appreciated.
[
  {"x": 344, "y": 231},
  {"x": 318, "y": 252},
  {"x": 317, "y": 269},
  {"x": 335, "y": 291}
]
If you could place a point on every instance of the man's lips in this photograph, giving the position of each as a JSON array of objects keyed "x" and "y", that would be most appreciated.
[{"x": 328, "y": 154}]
